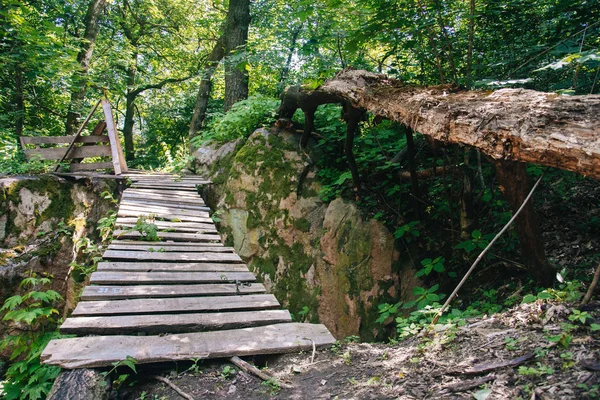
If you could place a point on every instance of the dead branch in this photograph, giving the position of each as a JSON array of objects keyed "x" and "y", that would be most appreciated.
[
  {"x": 470, "y": 384},
  {"x": 489, "y": 246},
  {"x": 590, "y": 291},
  {"x": 484, "y": 367},
  {"x": 173, "y": 386},
  {"x": 251, "y": 369}
]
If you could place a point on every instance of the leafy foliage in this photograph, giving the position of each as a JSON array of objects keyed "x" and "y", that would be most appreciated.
[
  {"x": 239, "y": 122},
  {"x": 35, "y": 316}
]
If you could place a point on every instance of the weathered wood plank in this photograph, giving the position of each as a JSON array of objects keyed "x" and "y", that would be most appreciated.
[
  {"x": 167, "y": 243},
  {"x": 175, "y": 236},
  {"x": 101, "y": 351},
  {"x": 168, "y": 323},
  {"x": 176, "y": 305},
  {"x": 163, "y": 248},
  {"x": 63, "y": 139},
  {"x": 76, "y": 152},
  {"x": 164, "y": 199},
  {"x": 158, "y": 198},
  {"x": 163, "y": 228},
  {"x": 182, "y": 188},
  {"x": 125, "y": 201},
  {"x": 166, "y": 192},
  {"x": 90, "y": 166},
  {"x": 194, "y": 226},
  {"x": 140, "y": 278},
  {"x": 118, "y": 158},
  {"x": 108, "y": 292},
  {"x": 166, "y": 216},
  {"x": 148, "y": 209},
  {"x": 174, "y": 257},
  {"x": 170, "y": 267}
]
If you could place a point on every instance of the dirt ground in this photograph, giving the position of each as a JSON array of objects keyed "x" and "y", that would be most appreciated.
[{"x": 445, "y": 363}]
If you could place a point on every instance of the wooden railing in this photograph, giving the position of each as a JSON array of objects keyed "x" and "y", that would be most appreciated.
[{"x": 97, "y": 144}]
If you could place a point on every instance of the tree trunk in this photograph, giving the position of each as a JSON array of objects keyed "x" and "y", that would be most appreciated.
[
  {"x": 514, "y": 184},
  {"x": 84, "y": 57},
  {"x": 508, "y": 124},
  {"x": 19, "y": 102},
  {"x": 80, "y": 384},
  {"x": 128, "y": 126},
  {"x": 217, "y": 53},
  {"x": 130, "y": 112},
  {"x": 414, "y": 180},
  {"x": 236, "y": 78},
  {"x": 465, "y": 202}
]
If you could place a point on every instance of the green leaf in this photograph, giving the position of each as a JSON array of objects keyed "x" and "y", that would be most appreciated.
[{"x": 529, "y": 298}]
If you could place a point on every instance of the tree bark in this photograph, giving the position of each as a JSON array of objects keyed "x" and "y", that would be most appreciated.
[
  {"x": 217, "y": 53},
  {"x": 508, "y": 124},
  {"x": 79, "y": 384},
  {"x": 130, "y": 111},
  {"x": 414, "y": 180},
  {"x": 236, "y": 78},
  {"x": 19, "y": 102},
  {"x": 514, "y": 184},
  {"x": 84, "y": 57}
]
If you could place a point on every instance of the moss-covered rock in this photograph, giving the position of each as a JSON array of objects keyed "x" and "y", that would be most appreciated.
[{"x": 322, "y": 261}]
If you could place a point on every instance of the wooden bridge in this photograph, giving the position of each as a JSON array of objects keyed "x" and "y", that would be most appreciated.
[{"x": 183, "y": 297}]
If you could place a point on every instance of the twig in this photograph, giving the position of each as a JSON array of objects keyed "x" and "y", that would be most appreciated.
[
  {"x": 173, "y": 386},
  {"x": 470, "y": 384},
  {"x": 590, "y": 291},
  {"x": 312, "y": 358},
  {"x": 251, "y": 369},
  {"x": 489, "y": 246}
]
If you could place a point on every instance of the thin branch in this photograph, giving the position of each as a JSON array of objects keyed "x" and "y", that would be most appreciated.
[
  {"x": 590, "y": 291},
  {"x": 489, "y": 246},
  {"x": 251, "y": 369},
  {"x": 173, "y": 386}
]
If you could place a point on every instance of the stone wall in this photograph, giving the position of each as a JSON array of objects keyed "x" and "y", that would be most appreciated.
[
  {"x": 324, "y": 261},
  {"x": 41, "y": 219}
]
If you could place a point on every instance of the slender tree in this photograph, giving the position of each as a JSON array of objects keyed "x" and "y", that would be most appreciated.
[{"x": 84, "y": 58}]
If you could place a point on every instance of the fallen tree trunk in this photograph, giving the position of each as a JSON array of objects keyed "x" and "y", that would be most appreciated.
[{"x": 507, "y": 124}]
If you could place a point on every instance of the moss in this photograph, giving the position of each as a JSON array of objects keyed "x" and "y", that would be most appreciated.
[{"x": 302, "y": 224}]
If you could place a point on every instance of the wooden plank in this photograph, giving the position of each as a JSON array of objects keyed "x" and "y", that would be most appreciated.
[
  {"x": 90, "y": 166},
  {"x": 102, "y": 351},
  {"x": 175, "y": 236},
  {"x": 176, "y": 305},
  {"x": 165, "y": 216},
  {"x": 166, "y": 192},
  {"x": 169, "y": 224},
  {"x": 164, "y": 248},
  {"x": 173, "y": 257},
  {"x": 76, "y": 152},
  {"x": 170, "y": 267},
  {"x": 106, "y": 292},
  {"x": 148, "y": 209},
  {"x": 181, "y": 188},
  {"x": 118, "y": 160},
  {"x": 166, "y": 323},
  {"x": 63, "y": 139},
  {"x": 126, "y": 201},
  {"x": 167, "y": 243},
  {"x": 140, "y": 278},
  {"x": 171, "y": 228},
  {"x": 197, "y": 200}
]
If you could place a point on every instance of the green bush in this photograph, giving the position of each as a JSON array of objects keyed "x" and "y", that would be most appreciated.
[
  {"x": 243, "y": 118},
  {"x": 36, "y": 315}
]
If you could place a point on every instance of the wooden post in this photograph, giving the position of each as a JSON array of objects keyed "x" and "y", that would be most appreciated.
[{"x": 118, "y": 158}]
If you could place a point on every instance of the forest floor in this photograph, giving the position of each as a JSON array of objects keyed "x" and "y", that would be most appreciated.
[{"x": 532, "y": 351}]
